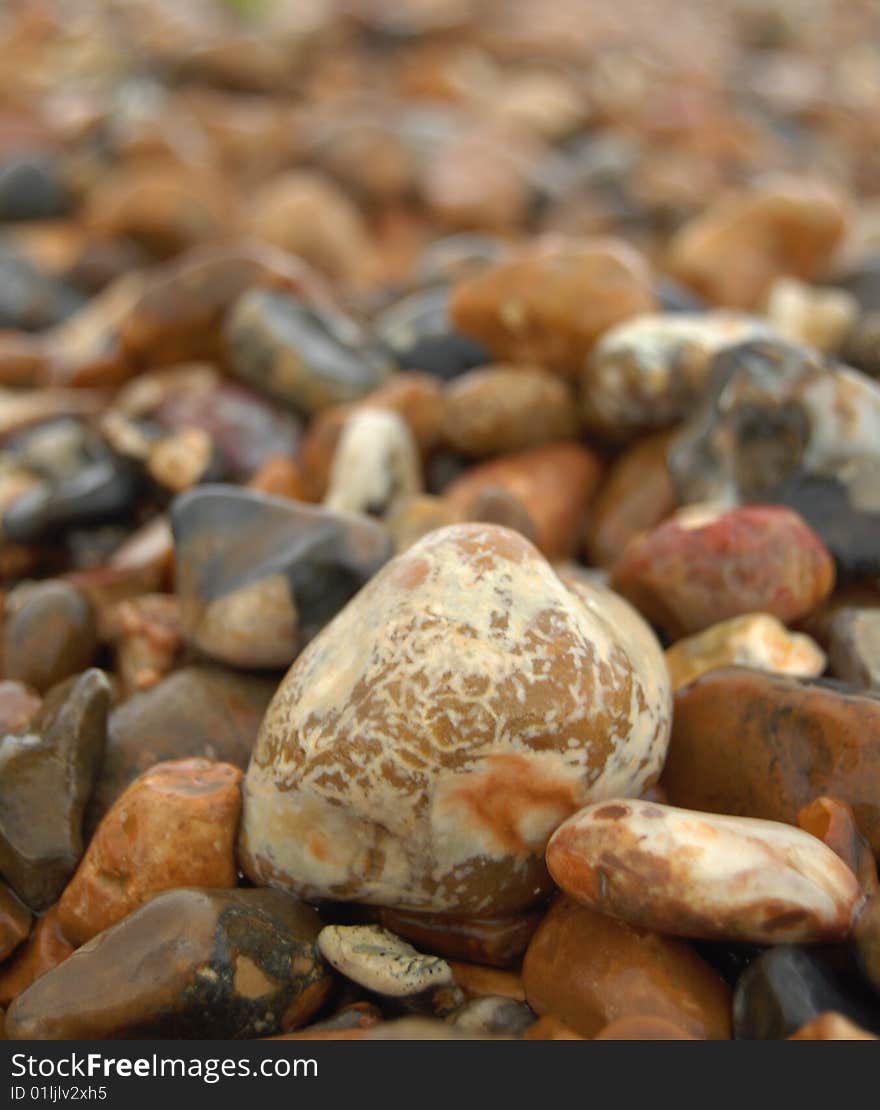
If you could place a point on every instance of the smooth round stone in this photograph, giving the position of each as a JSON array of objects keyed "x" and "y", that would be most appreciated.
[
  {"x": 421, "y": 336},
  {"x": 286, "y": 349},
  {"x": 376, "y": 465},
  {"x": 636, "y": 495},
  {"x": 755, "y": 640},
  {"x": 647, "y": 372},
  {"x": 175, "y": 826},
  {"x": 49, "y": 634},
  {"x": 46, "y": 777},
  {"x": 589, "y": 970},
  {"x": 443, "y": 725},
  {"x": 733, "y": 252},
  {"x": 493, "y": 1016},
  {"x": 854, "y": 647},
  {"x": 196, "y": 712},
  {"x": 259, "y": 576},
  {"x": 188, "y": 964},
  {"x": 705, "y": 565},
  {"x": 383, "y": 964},
  {"x": 701, "y": 875},
  {"x": 554, "y": 484},
  {"x": 499, "y": 408},
  {"x": 546, "y": 304},
  {"x": 779, "y": 744},
  {"x": 785, "y": 989},
  {"x": 45, "y": 948},
  {"x": 15, "y": 922}
]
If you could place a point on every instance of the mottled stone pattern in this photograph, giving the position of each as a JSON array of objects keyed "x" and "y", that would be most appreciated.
[{"x": 424, "y": 746}]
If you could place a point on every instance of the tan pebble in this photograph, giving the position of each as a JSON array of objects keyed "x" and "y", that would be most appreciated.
[
  {"x": 832, "y": 1027},
  {"x": 754, "y": 640},
  {"x": 818, "y": 317},
  {"x": 376, "y": 465}
]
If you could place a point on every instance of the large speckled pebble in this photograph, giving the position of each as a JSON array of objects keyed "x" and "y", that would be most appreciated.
[
  {"x": 547, "y": 303},
  {"x": 188, "y": 964},
  {"x": 701, "y": 875},
  {"x": 647, "y": 372},
  {"x": 424, "y": 746},
  {"x": 702, "y": 566},
  {"x": 754, "y": 640},
  {"x": 384, "y": 964}
]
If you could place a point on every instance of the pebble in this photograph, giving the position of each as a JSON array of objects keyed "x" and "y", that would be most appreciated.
[
  {"x": 638, "y": 1028},
  {"x": 786, "y": 988},
  {"x": 147, "y": 638},
  {"x": 781, "y": 425},
  {"x": 647, "y": 372},
  {"x": 636, "y": 495},
  {"x": 291, "y": 352},
  {"x": 705, "y": 565},
  {"x": 498, "y": 409},
  {"x": 420, "y": 334},
  {"x": 50, "y": 771},
  {"x": 820, "y": 317},
  {"x": 755, "y": 640},
  {"x": 431, "y": 651},
  {"x": 197, "y": 712},
  {"x": 734, "y": 251},
  {"x": 385, "y": 965},
  {"x": 15, "y": 922},
  {"x": 589, "y": 970},
  {"x": 197, "y": 964},
  {"x": 259, "y": 576},
  {"x": 691, "y": 874},
  {"x": 493, "y": 1016},
  {"x": 547, "y": 303},
  {"x": 854, "y": 647},
  {"x": 832, "y": 821},
  {"x": 832, "y": 1027},
  {"x": 554, "y": 484},
  {"x": 496, "y": 941},
  {"x": 376, "y": 465},
  {"x": 478, "y": 981},
  {"x": 175, "y": 826},
  {"x": 45, "y": 948},
  {"x": 779, "y": 744},
  {"x": 49, "y": 634}
]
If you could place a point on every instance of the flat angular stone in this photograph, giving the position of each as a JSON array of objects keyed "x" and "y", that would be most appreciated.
[
  {"x": 189, "y": 964},
  {"x": 442, "y": 726},
  {"x": 47, "y": 776},
  {"x": 700, "y": 875},
  {"x": 259, "y": 576}
]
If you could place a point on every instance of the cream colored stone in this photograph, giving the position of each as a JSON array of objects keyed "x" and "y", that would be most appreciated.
[{"x": 376, "y": 466}]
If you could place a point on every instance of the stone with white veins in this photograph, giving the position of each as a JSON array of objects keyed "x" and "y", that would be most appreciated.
[
  {"x": 703, "y": 875},
  {"x": 379, "y": 961},
  {"x": 426, "y": 744}
]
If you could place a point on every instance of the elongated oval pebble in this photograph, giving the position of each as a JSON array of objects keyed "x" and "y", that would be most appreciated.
[{"x": 702, "y": 875}]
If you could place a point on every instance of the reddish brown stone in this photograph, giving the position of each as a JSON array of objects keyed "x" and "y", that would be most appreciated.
[
  {"x": 692, "y": 572},
  {"x": 549, "y": 1028},
  {"x": 553, "y": 483},
  {"x": 589, "y": 970},
  {"x": 547, "y": 303},
  {"x": 173, "y": 827},
  {"x": 777, "y": 744},
  {"x": 477, "y": 981},
  {"x": 832, "y": 821},
  {"x": 44, "y": 949},
  {"x": 636, "y": 496},
  {"x": 497, "y": 941},
  {"x": 642, "y": 1028},
  {"x": 282, "y": 477}
]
